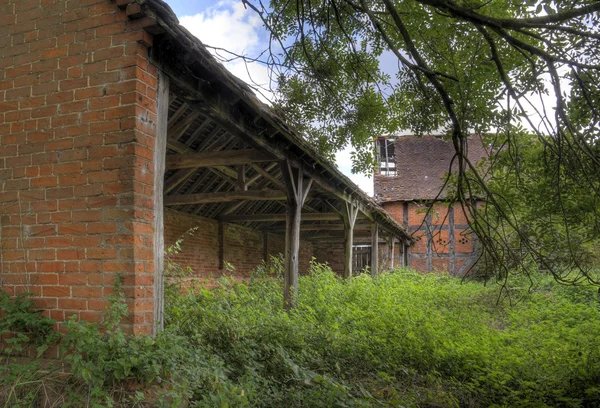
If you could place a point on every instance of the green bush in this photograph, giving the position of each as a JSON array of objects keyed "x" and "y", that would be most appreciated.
[{"x": 401, "y": 339}]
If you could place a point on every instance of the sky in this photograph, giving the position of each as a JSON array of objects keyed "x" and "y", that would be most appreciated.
[{"x": 227, "y": 24}]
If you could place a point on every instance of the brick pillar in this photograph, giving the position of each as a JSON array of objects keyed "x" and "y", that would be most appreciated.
[{"x": 77, "y": 135}]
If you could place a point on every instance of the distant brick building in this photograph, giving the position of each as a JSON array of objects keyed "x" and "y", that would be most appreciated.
[{"x": 409, "y": 179}]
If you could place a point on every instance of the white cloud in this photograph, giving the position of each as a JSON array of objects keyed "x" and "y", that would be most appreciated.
[
  {"x": 228, "y": 25},
  {"x": 344, "y": 163}
]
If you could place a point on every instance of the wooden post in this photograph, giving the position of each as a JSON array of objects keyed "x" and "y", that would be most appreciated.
[
  {"x": 349, "y": 214},
  {"x": 221, "y": 239},
  {"x": 241, "y": 178},
  {"x": 160, "y": 151},
  {"x": 297, "y": 188},
  {"x": 374, "y": 249},
  {"x": 391, "y": 249}
]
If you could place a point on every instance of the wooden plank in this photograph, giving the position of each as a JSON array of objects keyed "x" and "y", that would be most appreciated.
[
  {"x": 375, "y": 249},
  {"x": 178, "y": 146},
  {"x": 221, "y": 239},
  {"x": 268, "y": 176},
  {"x": 259, "y": 176},
  {"x": 176, "y": 179},
  {"x": 223, "y": 197},
  {"x": 178, "y": 113},
  {"x": 349, "y": 214},
  {"x": 214, "y": 159},
  {"x": 323, "y": 227},
  {"x": 160, "y": 151},
  {"x": 223, "y": 176},
  {"x": 177, "y": 130},
  {"x": 278, "y": 217},
  {"x": 392, "y": 242},
  {"x": 241, "y": 178}
]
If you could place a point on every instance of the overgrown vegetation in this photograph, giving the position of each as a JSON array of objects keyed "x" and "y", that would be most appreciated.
[{"x": 401, "y": 339}]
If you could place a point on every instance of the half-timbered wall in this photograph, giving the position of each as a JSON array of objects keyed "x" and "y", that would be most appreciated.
[{"x": 443, "y": 239}]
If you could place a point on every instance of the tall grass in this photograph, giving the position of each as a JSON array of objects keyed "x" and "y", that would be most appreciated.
[{"x": 400, "y": 339}]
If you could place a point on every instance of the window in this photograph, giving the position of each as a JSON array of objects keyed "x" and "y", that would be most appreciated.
[{"x": 386, "y": 157}]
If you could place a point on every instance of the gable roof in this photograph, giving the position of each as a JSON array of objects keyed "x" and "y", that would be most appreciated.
[
  {"x": 421, "y": 166},
  {"x": 205, "y": 86}
]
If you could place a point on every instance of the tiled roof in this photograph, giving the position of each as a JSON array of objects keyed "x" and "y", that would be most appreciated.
[{"x": 421, "y": 166}]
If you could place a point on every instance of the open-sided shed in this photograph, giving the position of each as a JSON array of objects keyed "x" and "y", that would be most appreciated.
[{"x": 114, "y": 111}]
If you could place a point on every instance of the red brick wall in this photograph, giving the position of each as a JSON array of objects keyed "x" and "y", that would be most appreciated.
[
  {"x": 331, "y": 253},
  {"x": 442, "y": 251},
  {"x": 77, "y": 128},
  {"x": 243, "y": 247}
]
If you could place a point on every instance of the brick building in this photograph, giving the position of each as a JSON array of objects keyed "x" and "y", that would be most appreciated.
[
  {"x": 410, "y": 178},
  {"x": 111, "y": 111}
]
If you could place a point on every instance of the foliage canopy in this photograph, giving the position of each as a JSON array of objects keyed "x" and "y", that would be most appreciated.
[{"x": 351, "y": 70}]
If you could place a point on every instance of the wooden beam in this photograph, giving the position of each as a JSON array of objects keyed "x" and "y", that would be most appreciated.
[
  {"x": 178, "y": 129},
  {"x": 178, "y": 113},
  {"x": 221, "y": 239},
  {"x": 391, "y": 243},
  {"x": 220, "y": 113},
  {"x": 214, "y": 159},
  {"x": 349, "y": 214},
  {"x": 297, "y": 189},
  {"x": 241, "y": 178},
  {"x": 221, "y": 110},
  {"x": 268, "y": 176},
  {"x": 160, "y": 150},
  {"x": 375, "y": 249},
  {"x": 176, "y": 179},
  {"x": 278, "y": 217},
  {"x": 323, "y": 227},
  {"x": 228, "y": 196}
]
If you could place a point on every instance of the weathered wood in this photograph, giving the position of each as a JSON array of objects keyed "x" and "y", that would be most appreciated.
[
  {"x": 375, "y": 249},
  {"x": 177, "y": 130},
  {"x": 160, "y": 151},
  {"x": 392, "y": 243},
  {"x": 278, "y": 217},
  {"x": 265, "y": 248},
  {"x": 297, "y": 188},
  {"x": 183, "y": 174},
  {"x": 221, "y": 239},
  {"x": 241, "y": 178},
  {"x": 349, "y": 215},
  {"x": 228, "y": 196},
  {"x": 213, "y": 159},
  {"x": 220, "y": 113},
  {"x": 177, "y": 114},
  {"x": 223, "y": 176},
  {"x": 221, "y": 107},
  {"x": 176, "y": 179},
  {"x": 178, "y": 146},
  {"x": 268, "y": 176},
  {"x": 323, "y": 227}
]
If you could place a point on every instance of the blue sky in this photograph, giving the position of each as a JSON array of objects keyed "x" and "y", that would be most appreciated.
[{"x": 227, "y": 24}]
